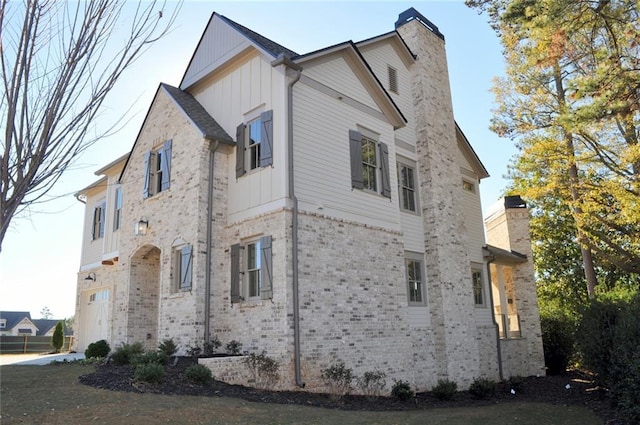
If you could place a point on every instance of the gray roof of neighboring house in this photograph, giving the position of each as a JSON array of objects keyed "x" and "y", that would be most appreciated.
[
  {"x": 271, "y": 46},
  {"x": 14, "y": 317},
  {"x": 198, "y": 115},
  {"x": 45, "y": 325}
]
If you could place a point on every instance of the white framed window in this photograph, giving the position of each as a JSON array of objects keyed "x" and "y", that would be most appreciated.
[
  {"x": 407, "y": 187},
  {"x": 369, "y": 163},
  {"x": 183, "y": 267},
  {"x": 251, "y": 270},
  {"x": 415, "y": 278},
  {"x": 254, "y": 143},
  {"x": 117, "y": 210},
  {"x": 157, "y": 167},
  {"x": 97, "y": 228},
  {"x": 478, "y": 288}
]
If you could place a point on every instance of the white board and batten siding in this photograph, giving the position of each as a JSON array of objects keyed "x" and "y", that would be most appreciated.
[{"x": 237, "y": 96}]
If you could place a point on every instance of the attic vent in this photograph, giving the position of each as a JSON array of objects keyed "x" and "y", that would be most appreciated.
[{"x": 393, "y": 79}]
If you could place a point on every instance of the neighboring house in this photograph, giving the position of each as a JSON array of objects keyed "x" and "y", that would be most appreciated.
[
  {"x": 20, "y": 323},
  {"x": 321, "y": 207}
]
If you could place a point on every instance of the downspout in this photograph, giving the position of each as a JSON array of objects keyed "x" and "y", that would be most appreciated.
[
  {"x": 213, "y": 146},
  {"x": 285, "y": 60},
  {"x": 491, "y": 258}
]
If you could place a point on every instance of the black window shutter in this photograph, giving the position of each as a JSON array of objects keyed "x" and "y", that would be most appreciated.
[
  {"x": 240, "y": 170},
  {"x": 355, "y": 151},
  {"x": 266, "y": 144},
  {"x": 94, "y": 225},
  {"x": 384, "y": 168},
  {"x": 266, "y": 271},
  {"x": 165, "y": 165},
  {"x": 235, "y": 273},
  {"x": 147, "y": 174}
]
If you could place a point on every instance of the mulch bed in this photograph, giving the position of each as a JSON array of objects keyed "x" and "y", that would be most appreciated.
[{"x": 581, "y": 391}]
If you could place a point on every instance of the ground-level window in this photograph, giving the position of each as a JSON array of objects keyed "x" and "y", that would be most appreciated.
[
  {"x": 251, "y": 270},
  {"x": 183, "y": 267},
  {"x": 478, "y": 288},
  {"x": 415, "y": 278}
]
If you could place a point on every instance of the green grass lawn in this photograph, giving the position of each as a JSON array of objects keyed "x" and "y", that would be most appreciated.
[{"x": 53, "y": 395}]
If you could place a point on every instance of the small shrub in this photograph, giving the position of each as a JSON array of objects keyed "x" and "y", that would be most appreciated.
[
  {"x": 168, "y": 347},
  {"x": 209, "y": 347},
  {"x": 445, "y": 389},
  {"x": 372, "y": 383},
  {"x": 149, "y": 372},
  {"x": 338, "y": 378},
  {"x": 123, "y": 354},
  {"x": 263, "y": 369},
  {"x": 482, "y": 388},
  {"x": 234, "y": 348},
  {"x": 198, "y": 374},
  {"x": 149, "y": 357},
  {"x": 402, "y": 390},
  {"x": 98, "y": 349}
]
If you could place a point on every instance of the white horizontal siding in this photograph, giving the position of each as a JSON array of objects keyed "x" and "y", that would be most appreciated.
[
  {"x": 379, "y": 56},
  {"x": 321, "y": 160},
  {"x": 92, "y": 249},
  {"x": 337, "y": 74}
]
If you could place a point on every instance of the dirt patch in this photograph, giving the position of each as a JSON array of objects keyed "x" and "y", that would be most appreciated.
[{"x": 574, "y": 388}]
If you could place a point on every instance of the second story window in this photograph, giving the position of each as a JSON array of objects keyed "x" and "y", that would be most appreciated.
[
  {"x": 407, "y": 187},
  {"x": 369, "y": 164},
  {"x": 97, "y": 230},
  {"x": 254, "y": 144},
  {"x": 157, "y": 176},
  {"x": 117, "y": 211}
]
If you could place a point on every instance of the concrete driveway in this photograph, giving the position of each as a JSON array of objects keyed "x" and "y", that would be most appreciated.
[{"x": 37, "y": 359}]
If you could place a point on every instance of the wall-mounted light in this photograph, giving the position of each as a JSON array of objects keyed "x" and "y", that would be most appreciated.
[
  {"x": 91, "y": 276},
  {"x": 141, "y": 227}
]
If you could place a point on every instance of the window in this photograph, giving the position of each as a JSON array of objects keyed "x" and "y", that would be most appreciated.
[
  {"x": 3, "y": 323},
  {"x": 415, "y": 281},
  {"x": 157, "y": 170},
  {"x": 468, "y": 186},
  {"x": 393, "y": 79},
  {"x": 478, "y": 288},
  {"x": 407, "y": 187},
  {"x": 102, "y": 295},
  {"x": 251, "y": 270},
  {"x": 369, "y": 164},
  {"x": 183, "y": 258},
  {"x": 254, "y": 144},
  {"x": 117, "y": 212},
  {"x": 97, "y": 230}
]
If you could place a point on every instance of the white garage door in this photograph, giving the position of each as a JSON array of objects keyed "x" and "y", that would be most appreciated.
[{"x": 95, "y": 318}]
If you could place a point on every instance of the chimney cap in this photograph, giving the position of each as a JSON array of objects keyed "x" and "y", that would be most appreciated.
[
  {"x": 411, "y": 14},
  {"x": 514, "y": 201}
]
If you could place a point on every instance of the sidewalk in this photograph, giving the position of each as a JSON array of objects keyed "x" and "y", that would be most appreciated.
[{"x": 37, "y": 359}]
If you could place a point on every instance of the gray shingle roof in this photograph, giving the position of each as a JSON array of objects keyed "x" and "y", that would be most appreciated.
[
  {"x": 206, "y": 124},
  {"x": 271, "y": 46},
  {"x": 14, "y": 317}
]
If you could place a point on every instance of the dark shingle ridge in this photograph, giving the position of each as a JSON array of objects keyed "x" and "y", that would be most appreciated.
[
  {"x": 271, "y": 46},
  {"x": 201, "y": 118}
]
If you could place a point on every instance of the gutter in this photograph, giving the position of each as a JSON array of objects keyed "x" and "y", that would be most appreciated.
[
  {"x": 213, "y": 146},
  {"x": 490, "y": 259},
  {"x": 285, "y": 60}
]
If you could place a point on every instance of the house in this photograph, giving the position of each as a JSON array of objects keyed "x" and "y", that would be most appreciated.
[
  {"x": 20, "y": 323},
  {"x": 319, "y": 207}
]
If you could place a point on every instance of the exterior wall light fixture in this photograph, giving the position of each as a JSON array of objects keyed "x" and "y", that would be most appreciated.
[
  {"x": 91, "y": 276},
  {"x": 141, "y": 227}
]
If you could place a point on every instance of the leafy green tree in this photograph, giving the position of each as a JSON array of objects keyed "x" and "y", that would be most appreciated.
[
  {"x": 570, "y": 100},
  {"x": 57, "y": 340}
]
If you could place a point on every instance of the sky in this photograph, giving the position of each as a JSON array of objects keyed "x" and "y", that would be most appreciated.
[{"x": 40, "y": 255}]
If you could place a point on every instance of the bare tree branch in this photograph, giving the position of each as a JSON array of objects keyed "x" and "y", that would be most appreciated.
[{"x": 59, "y": 61}]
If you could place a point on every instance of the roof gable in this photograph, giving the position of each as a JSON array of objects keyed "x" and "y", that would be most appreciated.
[
  {"x": 13, "y": 318},
  {"x": 470, "y": 155},
  {"x": 221, "y": 41},
  {"x": 394, "y": 39},
  {"x": 193, "y": 111},
  {"x": 362, "y": 71}
]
